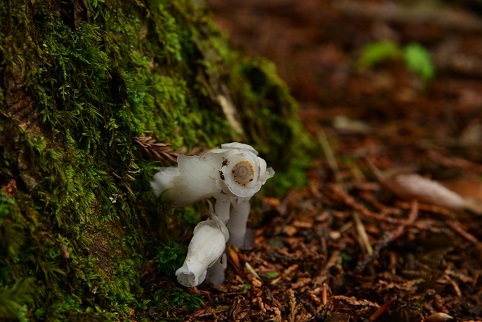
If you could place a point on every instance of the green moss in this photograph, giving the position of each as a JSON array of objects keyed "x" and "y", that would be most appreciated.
[
  {"x": 14, "y": 300},
  {"x": 173, "y": 303},
  {"x": 267, "y": 112},
  {"x": 170, "y": 258},
  {"x": 80, "y": 80}
]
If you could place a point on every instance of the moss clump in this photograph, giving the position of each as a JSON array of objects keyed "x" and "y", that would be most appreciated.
[
  {"x": 170, "y": 258},
  {"x": 80, "y": 80}
]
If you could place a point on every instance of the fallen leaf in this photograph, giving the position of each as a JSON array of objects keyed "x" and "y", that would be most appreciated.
[
  {"x": 415, "y": 187},
  {"x": 467, "y": 188},
  {"x": 439, "y": 317}
]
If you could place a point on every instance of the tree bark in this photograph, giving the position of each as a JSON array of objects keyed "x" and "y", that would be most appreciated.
[{"x": 81, "y": 79}]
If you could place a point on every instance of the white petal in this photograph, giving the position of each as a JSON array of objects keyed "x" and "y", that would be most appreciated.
[
  {"x": 262, "y": 167},
  {"x": 200, "y": 172},
  {"x": 241, "y": 174},
  {"x": 165, "y": 179},
  {"x": 169, "y": 183},
  {"x": 193, "y": 180},
  {"x": 269, "y": 174},
  {"x": 237, "y": 145}
]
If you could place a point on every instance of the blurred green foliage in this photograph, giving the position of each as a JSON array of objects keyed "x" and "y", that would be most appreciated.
[{"x": 415, "y": 57}]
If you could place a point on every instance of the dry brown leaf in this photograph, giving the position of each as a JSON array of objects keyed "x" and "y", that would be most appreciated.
[
  {"x": 439, "y": 317},
  {"x": 161, "y": 151},
  {"x": 468, "y": 188},
  {"x": 415, "y": 187}
]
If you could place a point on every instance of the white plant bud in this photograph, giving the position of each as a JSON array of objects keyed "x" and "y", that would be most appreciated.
[{"x": 206, "y": 247}]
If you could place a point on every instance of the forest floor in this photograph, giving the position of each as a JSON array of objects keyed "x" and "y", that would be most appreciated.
[{"x": 355, "y": 244}]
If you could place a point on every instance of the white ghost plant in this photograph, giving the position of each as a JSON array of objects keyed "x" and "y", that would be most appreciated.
[{"x": 231, "y": 175}]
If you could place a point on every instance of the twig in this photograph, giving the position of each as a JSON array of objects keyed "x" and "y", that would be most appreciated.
[
  {"x": 354, "y": 301},
  {"x": 454, "y": 162},
  {"x": 161, "y": 151},
  {"x": 252, "y": 271},
  {"x": 382, "y": 309},
  {"x": 389, "y": 237},
  {"x": 386, "y": 210},
  {"x": 455, "y": 225},
  {"x": 350, "y": 201},
  {"x": 363, "y": 234},
  {"x": 330, "y": 156},
  {"x": 293, "y": 306}
]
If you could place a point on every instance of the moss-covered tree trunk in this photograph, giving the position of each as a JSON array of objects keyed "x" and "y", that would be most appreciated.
[{"x": 80, "y": 79}]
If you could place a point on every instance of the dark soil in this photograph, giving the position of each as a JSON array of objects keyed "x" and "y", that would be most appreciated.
[{"x": 344, "y": 248}]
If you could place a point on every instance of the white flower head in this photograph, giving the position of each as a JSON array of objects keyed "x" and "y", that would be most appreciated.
[{"x": 242, "y": 172}]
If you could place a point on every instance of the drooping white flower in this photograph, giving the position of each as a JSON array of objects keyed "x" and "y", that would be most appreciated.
[
  {"x": 192, "y": 180},
  {"x": 243, "y": 173},
  {"x": 235, "y": 169}
]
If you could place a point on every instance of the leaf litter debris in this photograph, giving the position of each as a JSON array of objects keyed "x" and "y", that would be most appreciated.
[
  {"x": 353, "y": 245},
  {"x": 312, "y": 263}
]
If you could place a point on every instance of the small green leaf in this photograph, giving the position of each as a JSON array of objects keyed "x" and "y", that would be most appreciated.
[
  {"x": 378, "y": 52},
  {"x": 272, "y": 275},
  {"x": 419, "y": 61}
]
